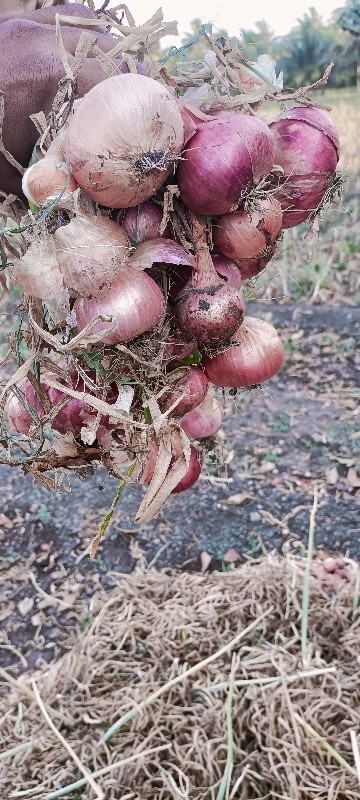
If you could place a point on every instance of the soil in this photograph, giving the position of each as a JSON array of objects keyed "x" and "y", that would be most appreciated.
[{"x": 301, "y": 428}]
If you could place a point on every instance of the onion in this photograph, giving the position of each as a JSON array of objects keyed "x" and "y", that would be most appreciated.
[
  {"x": 227, "y": 269},
  {"x": 178, "y": 348},
  {"x": 45, "y": 180},
  {"x": 142, "y": 223},
  {"x": 123, "y": 140},
  {"x": 250, "y": 237},
  {"x": 18, "y": 418},
  {"x": 194, "y": 386},
  {"x": 208, "y": 309},
  {"x": 134, "y": 301},
  {"x": 307, "y": 149},
  {"x": 71, "y": 418},
  {"x": 225, "y": 157},
  {"x": 257, "y": 355},
  {"x": 192, "y": 474},
  {"x": 91, "y": 252},
  {"x": 204, "y": 420}
]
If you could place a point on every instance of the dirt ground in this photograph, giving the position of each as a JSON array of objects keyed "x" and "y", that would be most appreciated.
[{"x": 302, "y": 427}]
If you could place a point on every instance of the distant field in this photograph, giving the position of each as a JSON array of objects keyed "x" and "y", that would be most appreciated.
[{"x": 327, "y": 270}]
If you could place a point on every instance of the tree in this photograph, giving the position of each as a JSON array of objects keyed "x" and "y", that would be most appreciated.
[
  {"x": 349, "y": 20},
  {"x": 306, "y": 50}
]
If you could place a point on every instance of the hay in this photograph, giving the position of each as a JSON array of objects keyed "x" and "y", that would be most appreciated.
[{"x": 290, "y": 737}]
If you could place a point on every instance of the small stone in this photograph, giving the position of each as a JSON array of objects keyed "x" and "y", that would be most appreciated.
[{"x": 255, "y": 516}]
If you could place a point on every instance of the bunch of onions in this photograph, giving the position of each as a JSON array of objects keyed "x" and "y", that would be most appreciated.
[
  {"x": 250, "y": 237},
  {"x": 307, "y": 149},
  {"x": 44, "y": 181},
  {"x": 123, "y": 140},
  {"x": 255, "y": 355},
  {"x": 226, "y": 156},
  {"x": 141, "y": 223},
  {"x": 194, "y": 387},
  {"x": 204, "y": 420},
  {"x": 134, "y": 301},
  {"x": 208, "y": 309},
  {"x": 91, "y": 252}
]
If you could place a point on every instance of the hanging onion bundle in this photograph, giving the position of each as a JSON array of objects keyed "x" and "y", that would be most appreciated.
[{"x": 124, "y": 139}]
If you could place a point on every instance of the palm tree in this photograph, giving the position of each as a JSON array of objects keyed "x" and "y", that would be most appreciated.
[
  {"x": 349, "y": 20},
  {"x": 306, "y": 50}
]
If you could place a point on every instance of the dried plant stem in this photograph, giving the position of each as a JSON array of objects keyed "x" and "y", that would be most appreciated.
[
  {"x": 20, "y": 748},
  {"x": 89, "y": 779},
  {"x": 224, "y": 788},
  {"x": 26, "y": 691},
  {"x": 307, "y": 673},
  {"x": 48, "y": 596},
  {"x": 325, "y": 744},
  {"x": 355, "y": 749},
  {"x": 239, "y": 781},
  {"x": 72, "y": 787},
  {"x": 306, "y": 584},
  {"x": 179, "y": 678}
]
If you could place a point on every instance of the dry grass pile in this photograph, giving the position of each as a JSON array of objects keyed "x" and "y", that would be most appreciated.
[{"x": 251, "y": 721}]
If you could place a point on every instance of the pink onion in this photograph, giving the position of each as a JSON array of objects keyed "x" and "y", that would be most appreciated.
[
  {"x": 46, "y": 180},
  {"x": 204, "y": 420},
  {"x": 208, "y": 309},
  {"x": 178, "y": 348},
  {"x": 142, "y": 223},
  {"x": 192, "y": 474},
  {"x": 194, "y": 386},
  {"x": 257, "y": 355},
  {"x": 307, "y": 149},
  {"x": 123, "y": 140},
  {"x": 18, "y": 418},
  {"x": 134, "y": 301},
  {"x": 225, "y": 157},
  {"x": 227, "y": 269},
  {"x": 250, "y": 237}
]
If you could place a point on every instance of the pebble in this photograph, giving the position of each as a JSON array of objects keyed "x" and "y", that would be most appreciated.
[{"x": 254, "y": 516}]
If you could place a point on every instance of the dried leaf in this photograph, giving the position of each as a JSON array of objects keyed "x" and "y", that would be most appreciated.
[
  {"x": 237, "y": 499},
  {"x": 353, "y": 478},
  {"x": 7, "y": 611},
  {"x": 231, "y": 556},
  {"x": 38, "y": 274},
  {"x": 25, "y": 606},
  {"x": 332, "y": 475},
  {"x": 205, "y": 560},
  {"x": 64, "y": 445},
  {"x": 5, "y": 522}
]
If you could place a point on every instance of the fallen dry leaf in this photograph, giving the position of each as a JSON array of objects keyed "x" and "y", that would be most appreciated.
[
  {"x": 25, "y": 606},
  {"x": 353, "y": 478},
  {"x": 332, "y": 476},
  {"x": 231, "y": 556},
  {"x": 237, "y": 499},
  {"x": 7, "y": 611},
  {"x": 205, "y": 560},
  {"x": 5, "y": 522}
]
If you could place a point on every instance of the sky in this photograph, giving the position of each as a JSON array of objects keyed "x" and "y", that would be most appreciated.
[{"x": 231, "y": 14}]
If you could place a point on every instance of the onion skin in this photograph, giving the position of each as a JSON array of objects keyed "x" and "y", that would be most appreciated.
[
  {"x": 250, "y": 237},
  {"x": 134, "y": 301},
  {"x": 227, "y": 269},
  {"x": 195, "y": 386},
  {"x": 192, "y": 474},
  {"x": 91, "y": 253},
  {"x": 142, "y": 223},
  {"x": 122, "y": 140},
  {"x": 307, "y": 149},
  {"x": 226, "y": 156},
  {"x": 204, "y": 420},
  {"x": 71, "y": 418},
  {"x": 258, "y": 355}
]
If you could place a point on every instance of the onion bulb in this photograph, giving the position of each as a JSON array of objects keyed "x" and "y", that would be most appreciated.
[
  {"x": 307, "y": 149},
  {"x": 204, "y": 420},
  {"x": 256, "y": 354},
  {"x": 227, "y": 269},
  {"x": 91, "y": 252},
  {"x": 134, "y": 301},
  {"x": 45, "y": 180},
  {"x": 226, "y": 156},
  {"x": 142, "y": 223},
  {"x": 192, "y": 474},
  {"x": 250, "y": 237},
  {"x": 208, "y": 309},
  {"x": 123, "y": 140},
  {"x": 194, "y": 387},
  {"x": 18, "y": 417},
  {"x": 70, "y": 418}
]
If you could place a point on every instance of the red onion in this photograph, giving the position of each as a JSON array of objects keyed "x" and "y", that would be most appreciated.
[
  {"x": 178, "y": 348},
  {"x": 226, "y": 156},
  {"x": 258, "y": 354},
  {"x": 208, "y": 309},
  {"x": 18, "y": 418},
  {"x": 192, "y": 474},
  {"x": 123, "y": 139},
  {"x": 194, "y": 386},
  {"x": 250, "y": 236},
  {"x": 71, "y": 418},
  {"x": 134, "y": 301},
  {"x": 307, "y": 149},
  {"x": 227, "y": 269},
  {"x": 205, "y": 420},
  {"x": 142, "y": 223}
]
